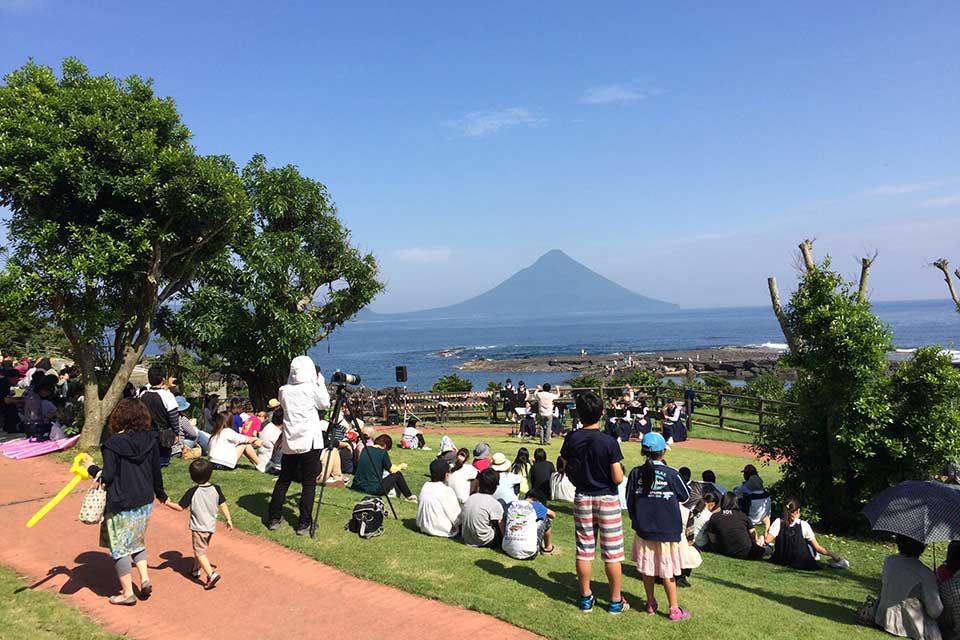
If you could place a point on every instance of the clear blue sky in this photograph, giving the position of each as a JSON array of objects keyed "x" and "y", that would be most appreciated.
[{"x": 682, "y": 149}]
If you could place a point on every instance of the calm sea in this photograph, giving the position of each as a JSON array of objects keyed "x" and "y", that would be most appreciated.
[{"x": 373, "y": 348}]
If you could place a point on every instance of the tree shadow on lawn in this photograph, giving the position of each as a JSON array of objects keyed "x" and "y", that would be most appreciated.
[
  {"x": 842, "y": 612},
  {"x": 559, "y": 586}
]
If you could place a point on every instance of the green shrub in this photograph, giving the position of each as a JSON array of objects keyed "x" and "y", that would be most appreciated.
[{"x": 452, "y": 383}]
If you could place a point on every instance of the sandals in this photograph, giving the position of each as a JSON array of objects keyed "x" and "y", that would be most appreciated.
[
  {"x": 123, "y": 601},
  {"x": 549, "y": 551},
  {"x": 146, "y": 590},
  {"x": 652, "y": 607}
]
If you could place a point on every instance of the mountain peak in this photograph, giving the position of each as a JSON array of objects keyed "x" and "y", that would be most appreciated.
[{"x": 554, "y": 256}]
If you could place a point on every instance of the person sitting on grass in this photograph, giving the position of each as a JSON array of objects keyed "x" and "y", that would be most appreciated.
[
  {"x": 509, "y": 489},
  {"x": 481, "y": 520},
  {"x": 369, "y": 478},
  {"x": 754, "y": 499},
  {"x": 796, "y": 544},
  {"x": 527, "y": 527},
  {"x": 521, "y": 467},
  {"x": 654, "y": 494},
  {"x": 448, "y": 451},
  {"x": 227, "y": 446},
  {"x": 909, "y": 602},
  {"x": 710, "y": 477},
  {"x": 731, "y": 533},
  {"x": 540, "y": 472},
  {"x": 463, "y": 477},
  {"x": 438, "y": 511},
  {"x": 481, "y": 456},
  {"x": 951, "y": 564},
  {"x": 561, "y": 488},
  {"x": 203, "y": 500},
  {"x": 412, "y": 438},
  {"x": 698, "y": 531},
  {"x": 948, "y": 575},
  {"x": 270, "y": 452}
]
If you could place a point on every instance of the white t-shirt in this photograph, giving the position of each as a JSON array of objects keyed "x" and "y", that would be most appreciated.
[
  {"x": 460, "y": 481},
  {"x": 520, "y": 537},
  {"x": 508, "y": 480},
  {"x": 805, "y": 528},
  {"x": 561, "y": 488},
  {"x": 438, "y": 511},
  {"x": 269, "y": 435},
  {"x": 546, "y": 400},
  {"x": 223, "y": 447},
  {"x": 700, "y": 521}
]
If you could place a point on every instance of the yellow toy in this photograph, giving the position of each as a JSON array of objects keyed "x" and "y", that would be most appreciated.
[{"x": 79, "y": 471}]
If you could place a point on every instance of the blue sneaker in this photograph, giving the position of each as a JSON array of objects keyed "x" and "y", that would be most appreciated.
[
  {"x": 586, "y": 603},
  {"x": 616, "y": 608}
]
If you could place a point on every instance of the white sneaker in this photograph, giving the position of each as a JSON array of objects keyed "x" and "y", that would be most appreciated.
[{"x": 426, "y": 448}]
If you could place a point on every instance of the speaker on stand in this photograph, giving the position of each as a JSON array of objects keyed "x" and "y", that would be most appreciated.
[{"x": 401, "y": 371}]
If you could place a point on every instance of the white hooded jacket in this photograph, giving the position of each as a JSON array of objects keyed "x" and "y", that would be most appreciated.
[{"x": 304, "y": 394}]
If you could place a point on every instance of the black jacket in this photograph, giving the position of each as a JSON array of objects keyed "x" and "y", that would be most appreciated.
[{"x": 131, "y": 470}]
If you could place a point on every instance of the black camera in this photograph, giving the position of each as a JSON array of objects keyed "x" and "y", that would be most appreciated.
[{"x": 339, "y": 377}]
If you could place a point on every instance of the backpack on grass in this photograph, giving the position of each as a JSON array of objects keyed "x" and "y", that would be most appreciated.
[{"x": 367, "y": 518}]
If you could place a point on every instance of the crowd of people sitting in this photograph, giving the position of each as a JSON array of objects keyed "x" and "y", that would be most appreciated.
[{"x": 37, "y": 398}]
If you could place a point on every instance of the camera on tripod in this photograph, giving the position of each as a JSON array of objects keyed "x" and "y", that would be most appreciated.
[{"x": 339, "y": 377}]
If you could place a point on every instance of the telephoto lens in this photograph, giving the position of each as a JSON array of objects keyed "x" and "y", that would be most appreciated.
[{"x": 339, "y": 377}]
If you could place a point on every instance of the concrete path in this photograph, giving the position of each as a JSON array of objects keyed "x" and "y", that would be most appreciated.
[{"x": 267, "y": 592}]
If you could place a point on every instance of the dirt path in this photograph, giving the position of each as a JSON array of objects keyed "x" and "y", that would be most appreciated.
[
  {"x": 61, "y": 555},
  {"x": 697, "y": 444}
]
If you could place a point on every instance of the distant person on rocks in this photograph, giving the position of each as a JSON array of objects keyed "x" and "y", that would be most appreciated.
[
  {"x": 438, "y": 510},
  {"x": 482, "y": 515},
  {"x": 463, "y": 476},
  {"x": 593, "y": 464},
  {"x": 545, "y": 399},
  {"x": 909, "y": 602},
  {"x": 301, "y": 399},
  {"x": 369, "y": 478}
]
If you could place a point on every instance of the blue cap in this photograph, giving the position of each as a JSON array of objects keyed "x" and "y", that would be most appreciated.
[
  {"x": 653, "y": 442},
  {"x": 182, "y": 403}
]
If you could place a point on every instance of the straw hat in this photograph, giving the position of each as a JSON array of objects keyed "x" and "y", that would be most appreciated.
[{"x": 499, "y": 462}]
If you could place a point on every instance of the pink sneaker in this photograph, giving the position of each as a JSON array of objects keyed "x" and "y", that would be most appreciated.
[
  {"x": 652, "y": 607},
  {"x": 679, "y": 614}
]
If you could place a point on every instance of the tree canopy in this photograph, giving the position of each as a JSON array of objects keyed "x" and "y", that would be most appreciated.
[
  {"x": 287, "y": 279},
  {"x": 112, "y": 213}
]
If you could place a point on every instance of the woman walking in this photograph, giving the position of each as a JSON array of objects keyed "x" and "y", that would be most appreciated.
[{"x": 131, "y": 475}]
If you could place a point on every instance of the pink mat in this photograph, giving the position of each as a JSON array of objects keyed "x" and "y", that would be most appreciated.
[{"x": 23, "y": 448}]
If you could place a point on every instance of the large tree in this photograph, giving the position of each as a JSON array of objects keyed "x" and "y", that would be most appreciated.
[
  {"x": 112, "y": 213},
  {"x": 284, "y": 283}
]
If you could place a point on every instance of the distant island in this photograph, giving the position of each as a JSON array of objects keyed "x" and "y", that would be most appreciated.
[{"x": 555, "y": 284}]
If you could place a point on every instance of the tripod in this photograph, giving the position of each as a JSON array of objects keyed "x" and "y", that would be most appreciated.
[{"x": 330, "y": 445}]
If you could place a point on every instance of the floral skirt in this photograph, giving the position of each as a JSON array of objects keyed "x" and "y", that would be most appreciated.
[
  {"x": 659, "y": 559},
  {"x": 124, "y": 533}
]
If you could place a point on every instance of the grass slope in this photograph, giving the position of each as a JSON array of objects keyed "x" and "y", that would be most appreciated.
[
  {"x": 38, "y": 615},
  {"x": 729, "y": 599}
]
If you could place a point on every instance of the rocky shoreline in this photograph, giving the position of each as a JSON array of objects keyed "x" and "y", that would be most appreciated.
[{"x": 735, "y": 362}]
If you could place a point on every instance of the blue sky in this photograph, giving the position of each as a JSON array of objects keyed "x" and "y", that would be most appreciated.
[{"x": 682, "y": 149}]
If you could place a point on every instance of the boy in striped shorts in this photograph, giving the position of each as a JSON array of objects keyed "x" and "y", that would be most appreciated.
[{"x": 593, "y": 465}]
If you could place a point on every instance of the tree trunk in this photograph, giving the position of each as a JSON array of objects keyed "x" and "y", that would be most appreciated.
[
  {"x": 97, "y": 408},
  {"x": 792, "y": 342},
  {"x": 262, "y": 386}
]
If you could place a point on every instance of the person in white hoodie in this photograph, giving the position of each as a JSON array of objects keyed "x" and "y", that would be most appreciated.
[{"x": 301, "y": 399}]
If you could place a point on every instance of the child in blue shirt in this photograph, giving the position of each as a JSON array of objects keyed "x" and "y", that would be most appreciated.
[
  {"x": 654, "y": 494},
  {"x": 527, "y": 525}
]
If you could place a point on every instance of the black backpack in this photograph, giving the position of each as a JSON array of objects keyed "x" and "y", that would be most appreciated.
[{"x": 367, "y": 518}]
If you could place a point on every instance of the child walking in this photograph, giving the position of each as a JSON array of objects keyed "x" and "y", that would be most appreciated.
[
  {"x": 203, "y": 500},
  {"x": 654, "y": 494}
]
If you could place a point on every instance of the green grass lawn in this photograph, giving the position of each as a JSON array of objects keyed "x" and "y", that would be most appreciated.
[
  {"x": 38, "y": 615},
  {"x": 729, "y": 599}
]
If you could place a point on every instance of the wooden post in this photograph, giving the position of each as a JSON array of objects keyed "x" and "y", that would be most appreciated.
[
  {"x": 760, "y": 417},
  {"x": 720, "y": 407}
]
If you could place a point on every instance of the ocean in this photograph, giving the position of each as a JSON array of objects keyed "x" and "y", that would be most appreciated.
[{"x": 372, "y": 348}]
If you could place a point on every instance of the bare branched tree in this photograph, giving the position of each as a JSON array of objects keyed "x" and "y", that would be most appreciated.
[{"x": 944, "y": 266}]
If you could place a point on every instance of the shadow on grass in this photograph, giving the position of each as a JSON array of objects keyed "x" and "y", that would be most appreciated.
[
  {"x": 841, "y": 612},
  {"x": 559, "y": 586},
  {"x": 257, "y": 503},
  {"x": 94, "y": 571}
]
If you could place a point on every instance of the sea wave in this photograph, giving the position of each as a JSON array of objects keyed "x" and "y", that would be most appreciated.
[
  {"x": 775, "y": 346},
  {"x": 484, "y": 348}
]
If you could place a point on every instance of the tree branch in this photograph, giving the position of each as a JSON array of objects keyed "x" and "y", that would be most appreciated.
[
  {"x": 865, "y": 264},
  {"x": 806, "y": 250},
  {"x": 781, "y": 317},
  {"x": 944, "y": 266}
]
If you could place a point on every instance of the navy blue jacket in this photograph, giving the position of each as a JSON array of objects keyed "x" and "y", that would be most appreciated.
[{"x": 656, "y": 515}]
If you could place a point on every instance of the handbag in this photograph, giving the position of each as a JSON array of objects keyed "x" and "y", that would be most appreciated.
[
  {"x": 191, "y": 453},
  {"x": 93, "y": 505},
  {"x": 866, "y": 613}
]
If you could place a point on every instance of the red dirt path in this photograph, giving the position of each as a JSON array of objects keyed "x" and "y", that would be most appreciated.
[
  {"x": 61, "y": 555},
  {"x": 697, "y": 444}
]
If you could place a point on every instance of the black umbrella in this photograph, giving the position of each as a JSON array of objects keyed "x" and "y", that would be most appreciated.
[{"x": 923, "y": 510}]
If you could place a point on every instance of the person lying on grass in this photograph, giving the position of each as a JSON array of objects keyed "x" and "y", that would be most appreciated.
[
  {"x": 527, "y": 526},
  {"x": 438, "y": 512},
  {"x": 796, "y": 544},
  {"x": 369, "y": 478},
  {"x": 654, "y": 494},
  {"x": 730, "y": 532},
  {"x": 481, "y": 521}
]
